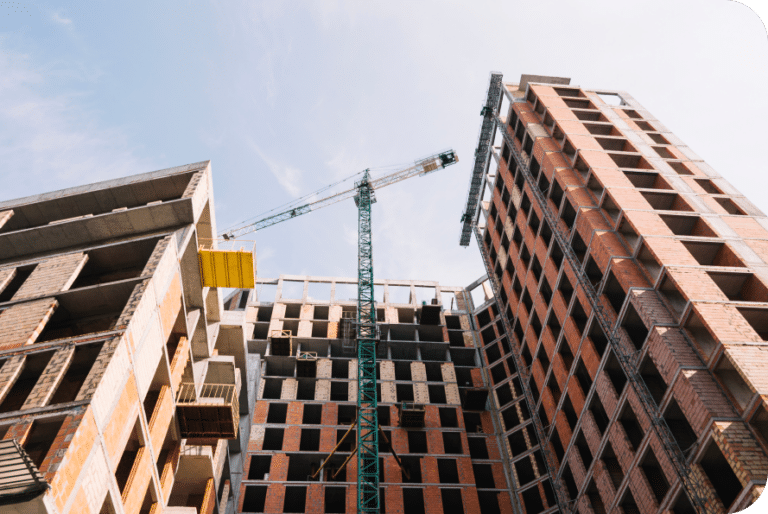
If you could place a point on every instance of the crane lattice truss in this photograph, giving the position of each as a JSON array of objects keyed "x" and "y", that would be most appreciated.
[
  {"x": 367, "y": 332},
  {"x": 482, "y": 155},
  {"x": 421, "y": 167},
  {"x": 367, "y": 430},
  {"x": 691, "y": 481}
]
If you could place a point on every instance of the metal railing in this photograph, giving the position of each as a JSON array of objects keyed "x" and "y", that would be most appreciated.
[
  {"x": 19, "y": 477},
  {"x": 211, "y": 395}
]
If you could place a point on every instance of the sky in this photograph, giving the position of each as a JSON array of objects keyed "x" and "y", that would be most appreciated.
[{"x": 287, "y": 97}]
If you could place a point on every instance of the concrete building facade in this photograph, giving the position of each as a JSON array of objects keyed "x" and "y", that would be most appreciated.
[
  {"x": 627, "y": 347},
  {"x": 123, "y": 382}
]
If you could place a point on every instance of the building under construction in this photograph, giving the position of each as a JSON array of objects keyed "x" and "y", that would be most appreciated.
[
  {"x": 439, "y": 449},
  {"x": 609, "y": 362},
  {"x": 123, "y": 381},
  {"x": 630, "y": 279}
]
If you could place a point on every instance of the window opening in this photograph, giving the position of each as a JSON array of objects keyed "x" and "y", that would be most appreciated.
[
  {"x": 721, "y": 475},
  {"x": 40, "y": 439},
  {"x": 74, "y": 378},
  {"x": 259, "y": 467},
  {"x": 34, "y": 364},
  {"x": 652, "y": 378},
  {"x": 634, "y": 327},
  {"x": 612, "y": 465},
  {"x": 277, "y": 412},
  {"x": 255, "y": 498},
  {"x": 447, "y": 471},
  {"x": 615, "y": 374},
  {"x": 679, "y": 426},
  {"x": 599, "y": 415},
  {"x": 582, "y": 376},
  {"x": 125, "y": 465},
  {"x": 593, "y": 495},
  {"x": 295, "y": 499},
  {"x": 22, "y": 274},
  {"x": 413, "y": 500},
  {"x": 273, "y": 439},
  {"x": 655, "y": 475},
  {"x": 631, "y": 427},
  {"x": 335, "y": 499}
]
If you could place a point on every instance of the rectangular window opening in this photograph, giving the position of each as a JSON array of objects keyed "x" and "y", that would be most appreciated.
[
  {"x": 655, "y": 475},
  {"x": 721, "y": 475},
  {"x": 631, "y": 427},
  {"x": 33, "y": 367},
  {"x": 295, "y": 499},
  {"x": 615, "y": 373},
  {"x": 40, "y": 439},
  {"x": 612, "y": 465},
  {"x": 634, "y": 327},
  {"x": 653, "y": 379}
]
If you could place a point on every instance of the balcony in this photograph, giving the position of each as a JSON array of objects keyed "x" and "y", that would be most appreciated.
[
  {"x": 21, "y": 484},
  {"x": 411, "y": 415},
  {"x": 213, "y": 413},
  {"x": 282, "y": 342}
]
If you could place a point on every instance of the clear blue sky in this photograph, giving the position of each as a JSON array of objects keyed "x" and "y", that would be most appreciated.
[{"x": 285, "y": 97}]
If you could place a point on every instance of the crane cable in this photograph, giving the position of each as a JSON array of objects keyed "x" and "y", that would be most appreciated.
[{"x": 303, "y": 199}]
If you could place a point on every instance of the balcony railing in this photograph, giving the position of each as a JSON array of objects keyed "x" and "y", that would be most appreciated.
[
  {"x": 213, "y": 413},
  {"x": 19, "y": 478}
]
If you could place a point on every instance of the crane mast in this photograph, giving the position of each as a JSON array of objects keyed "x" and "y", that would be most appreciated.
[
  {"x": 367, "y": 432},
  {"x": 367, "y": 331}
]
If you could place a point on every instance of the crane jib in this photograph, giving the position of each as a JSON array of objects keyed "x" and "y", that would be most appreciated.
[{"x": 420, "y": 167}]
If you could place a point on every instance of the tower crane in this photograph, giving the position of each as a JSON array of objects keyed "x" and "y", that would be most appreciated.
[{"x": 367, "y": 422}]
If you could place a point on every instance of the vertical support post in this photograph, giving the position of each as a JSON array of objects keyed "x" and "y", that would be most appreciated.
[{"x": 367, "y": 433}]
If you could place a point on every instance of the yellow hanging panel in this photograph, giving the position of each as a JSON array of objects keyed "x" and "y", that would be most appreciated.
[{"x": 222, "y": 268}]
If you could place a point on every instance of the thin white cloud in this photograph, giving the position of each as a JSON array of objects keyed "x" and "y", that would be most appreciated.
[
  {"x": 61, "y": 19},
  {"x": 287, "y": 176},
  {"x": 51, "y": 140}
]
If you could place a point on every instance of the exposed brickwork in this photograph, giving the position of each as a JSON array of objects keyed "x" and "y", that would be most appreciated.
[
  {"x": 51, "y": 276},
  {"x": 20, "y": 324},
  {"x": 617, "y": 182},
  {"x": 50, "y": 378}
]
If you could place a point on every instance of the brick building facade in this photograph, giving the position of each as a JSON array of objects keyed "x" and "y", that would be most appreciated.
[
  {"x": 428, "y": 365},
  {"x": 630, "y": 281}
]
